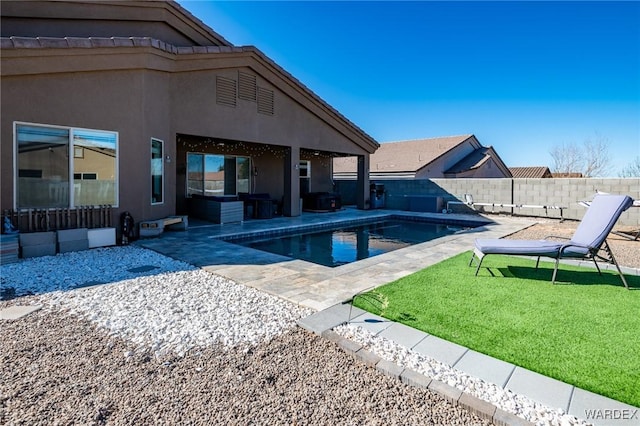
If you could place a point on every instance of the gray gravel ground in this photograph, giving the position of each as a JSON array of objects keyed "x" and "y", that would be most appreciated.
[{"x": 59, "y": 369}]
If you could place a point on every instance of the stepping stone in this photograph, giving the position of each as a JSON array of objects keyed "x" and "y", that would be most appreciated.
[
  {"x": 17, "y": 312},
  {"x": 143, "y": 268}
]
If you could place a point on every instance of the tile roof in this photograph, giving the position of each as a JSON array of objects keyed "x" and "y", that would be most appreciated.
[
  {"x": 533, "y": 172},
  {"x": 15, "y": 42},
  {"x": 403, "y": 156}
]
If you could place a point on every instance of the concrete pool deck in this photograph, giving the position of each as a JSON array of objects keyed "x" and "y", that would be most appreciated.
[{"x": 308, "y": 284}]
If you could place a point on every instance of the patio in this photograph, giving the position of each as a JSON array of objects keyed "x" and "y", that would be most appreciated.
[{"x": 307, "y": 284}]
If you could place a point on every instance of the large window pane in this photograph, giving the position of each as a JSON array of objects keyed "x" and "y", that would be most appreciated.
[
  {"x": 98, "y": 160},
  {"x": 214, "y": 175},
  {"x": 243, "y": 174},
  {"x": 43, "y": 167},
  {"x": 157, "y": 171},
  {"x": 47, "y": 155},
  {"x": 195, "y": 174}
]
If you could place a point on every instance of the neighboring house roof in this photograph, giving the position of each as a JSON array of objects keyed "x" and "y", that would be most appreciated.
[
  {"x": 404, "y": 156},
  {"x": 567, "y": 175},
  {"x": 533, "y": 172},
  {"x": 406, "y": 159},
  {"x": 413, "y": 155}
]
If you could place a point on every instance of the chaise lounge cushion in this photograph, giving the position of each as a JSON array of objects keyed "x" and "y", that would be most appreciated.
[{"x": 519, "y": 247}]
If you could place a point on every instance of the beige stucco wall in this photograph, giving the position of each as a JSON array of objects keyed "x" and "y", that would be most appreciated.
[
  {"x": 142, "y": 94},
  {"x": 148, "y": 70}
]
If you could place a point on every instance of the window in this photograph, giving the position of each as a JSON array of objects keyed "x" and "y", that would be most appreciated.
[
  {"x": 157, "y": 171},
  {"x": 305, "y": 169},
  {"x": 214, "y": 175},
  {"x": 51, "y": 173},
  {"x": 305, "y": 177}
]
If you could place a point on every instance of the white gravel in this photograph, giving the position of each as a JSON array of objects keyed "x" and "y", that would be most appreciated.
[
  {"x": 69, "y": 270},
  {"x": 173, "y": 307},
  {"x": 505, "y": 399},
  {"x": 182, "y": 346}
]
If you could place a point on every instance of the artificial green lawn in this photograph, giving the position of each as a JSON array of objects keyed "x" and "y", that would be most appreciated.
[{"x": 584, "y": 330}]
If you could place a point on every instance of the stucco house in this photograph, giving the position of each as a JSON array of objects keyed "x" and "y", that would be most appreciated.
[
  {"x": 444, "y": 157},
  {"x": 140, "y": 105}
]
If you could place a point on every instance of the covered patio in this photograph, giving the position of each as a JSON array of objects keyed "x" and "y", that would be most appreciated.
[{"x": 226, "y": 169}]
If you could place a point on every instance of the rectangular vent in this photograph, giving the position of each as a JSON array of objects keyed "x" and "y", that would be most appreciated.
[
  {"x": 247, "y": 86},
  {"x": 265, "y": 101},
  {"x": 226, "y": 91}
]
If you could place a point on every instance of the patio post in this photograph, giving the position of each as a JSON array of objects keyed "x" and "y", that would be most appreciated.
[
  {"x": 362, "y": 186},
  {"x": 291, "y": 205}
]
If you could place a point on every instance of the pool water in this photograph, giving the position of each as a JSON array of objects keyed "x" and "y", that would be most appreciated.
[{"x": 335, "y": 247}]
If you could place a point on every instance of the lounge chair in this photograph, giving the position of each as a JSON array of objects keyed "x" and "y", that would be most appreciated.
[
  {"x": 586, "y": 243},
  {"x": 629, "y": 235}
]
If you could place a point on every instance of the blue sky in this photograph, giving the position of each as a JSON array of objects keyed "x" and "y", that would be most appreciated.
[{"x": 522, "y": 76}]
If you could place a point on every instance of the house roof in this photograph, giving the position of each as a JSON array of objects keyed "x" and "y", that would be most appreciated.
[
  {"x": 219, "y": 46},
  {"x": 404, "y": 156},
  {"x": 533, "y": 172},
  {"x": 189, "y": 30}
]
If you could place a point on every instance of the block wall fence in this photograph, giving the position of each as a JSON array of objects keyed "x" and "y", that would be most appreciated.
[{"x": 550, "y": 192}]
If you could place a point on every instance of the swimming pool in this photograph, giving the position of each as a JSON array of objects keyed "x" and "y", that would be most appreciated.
[{"x": 346, "y": 244}]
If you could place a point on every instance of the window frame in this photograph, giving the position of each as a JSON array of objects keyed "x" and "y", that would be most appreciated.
[
  {"x": 70, "y": 155},
  {"x": 162, "y": 177},
  {"x": 204, "y": 171}
]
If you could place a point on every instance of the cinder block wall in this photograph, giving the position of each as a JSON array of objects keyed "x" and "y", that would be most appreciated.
[{"x": 549, "y": 192}]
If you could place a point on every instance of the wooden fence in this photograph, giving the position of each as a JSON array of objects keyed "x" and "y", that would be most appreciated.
[{"x": 38, "y": 220}]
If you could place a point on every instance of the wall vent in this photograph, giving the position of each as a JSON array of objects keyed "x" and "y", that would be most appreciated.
[
  {"x": 225, "y": 91},
  {"x": 247, "y": 87},
  {"x": 265, "y": 101}
]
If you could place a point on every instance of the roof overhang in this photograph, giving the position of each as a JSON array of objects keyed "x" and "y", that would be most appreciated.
[{"x": 20, "y": 54}]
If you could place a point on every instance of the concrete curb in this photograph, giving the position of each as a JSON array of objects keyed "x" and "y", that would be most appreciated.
[{"x": 479, "y": 407}]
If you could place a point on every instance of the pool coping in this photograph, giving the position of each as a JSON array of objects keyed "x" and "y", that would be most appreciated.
[
  {"x": 260, "y": 236},
  {"x": 308, "y": 284},
  {"x": 285, "y": 231}
]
